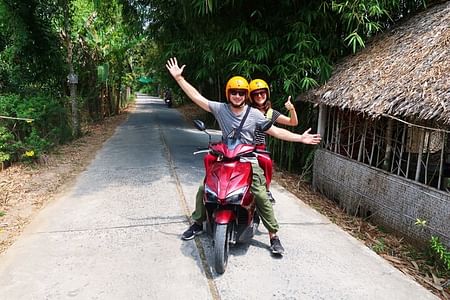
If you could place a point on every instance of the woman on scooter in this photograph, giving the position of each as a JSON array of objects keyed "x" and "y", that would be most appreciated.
[{"x": 260, "y": 99}]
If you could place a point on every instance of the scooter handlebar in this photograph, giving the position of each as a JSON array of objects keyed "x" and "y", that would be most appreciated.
[{"x": 199, "y": 151}]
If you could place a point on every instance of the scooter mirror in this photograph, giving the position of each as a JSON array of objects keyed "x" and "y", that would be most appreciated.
[{"x": 199, "y": 125}]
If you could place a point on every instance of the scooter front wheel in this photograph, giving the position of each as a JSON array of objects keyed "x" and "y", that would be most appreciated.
[{"x": 221, "y": 247}]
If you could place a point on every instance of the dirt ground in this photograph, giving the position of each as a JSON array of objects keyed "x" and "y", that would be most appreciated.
[{"x": 25, "y": 189}]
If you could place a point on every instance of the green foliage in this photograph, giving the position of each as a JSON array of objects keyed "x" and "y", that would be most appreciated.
[
  {"x": 31, "y": 56},
  {"x": 50, "y": 118},
  {"x": 108, "y": 44},
  {"x": 18, "y": 137},
  {"x": 438, "y": 251},
  {"x": 290, "y": 44},
  {"x": 441, "y": 251},
  {"x": 7, "y": 144},
  {"x": 104, "y": 35},
  {"x": 420, "y": 223},
  {"x": 35, "y": 146},
  {"x": 379, "y": 246},
  {"x": 361, "y": 19},
  {"x": 41, "y": 41},
  {"x": 355, "y": 41},
  {"x": 103, "y": 72},
  {"x": 148, "y": 89}
]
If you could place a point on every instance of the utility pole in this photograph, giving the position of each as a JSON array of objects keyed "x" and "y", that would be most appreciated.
[{"x": 72, "y": 78}]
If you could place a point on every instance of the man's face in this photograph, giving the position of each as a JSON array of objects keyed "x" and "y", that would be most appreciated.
[{"x": 237, "y": 97}]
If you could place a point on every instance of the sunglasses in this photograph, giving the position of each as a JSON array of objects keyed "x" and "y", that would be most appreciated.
[
  {"x": 240, "y": 93},
  {"x": 261, "y": 93}
]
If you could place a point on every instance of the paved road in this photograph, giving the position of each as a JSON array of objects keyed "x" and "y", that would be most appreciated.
[{"x": 116, "y": 234}]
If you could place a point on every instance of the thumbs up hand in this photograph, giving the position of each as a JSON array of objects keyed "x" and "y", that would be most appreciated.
[{"x": 289, "y": 106}]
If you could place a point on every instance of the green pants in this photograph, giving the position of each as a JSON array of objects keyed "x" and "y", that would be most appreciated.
[{"x": 258, "y": 189}]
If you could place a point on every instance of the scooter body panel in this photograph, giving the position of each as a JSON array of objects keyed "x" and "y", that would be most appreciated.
[{"x": 224, "y": 216}]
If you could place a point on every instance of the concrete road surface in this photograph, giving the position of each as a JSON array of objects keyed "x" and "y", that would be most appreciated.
[{"x": 116, "y": 234}]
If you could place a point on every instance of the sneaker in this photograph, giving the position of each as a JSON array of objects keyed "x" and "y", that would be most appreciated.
[
  {"x": 275, "y": 246},
  {"x": 193, "y": 230},
  {"x": 269, "y": 195}
]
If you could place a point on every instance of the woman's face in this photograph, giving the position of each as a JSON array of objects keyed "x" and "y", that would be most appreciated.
[{"x": 259, "y": 97}]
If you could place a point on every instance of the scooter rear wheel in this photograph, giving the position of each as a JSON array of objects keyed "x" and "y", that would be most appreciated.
[{"x": 221, "y": 247}]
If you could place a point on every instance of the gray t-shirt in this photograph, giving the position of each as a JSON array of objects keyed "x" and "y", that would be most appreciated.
[{"x": 229, "y": 122}]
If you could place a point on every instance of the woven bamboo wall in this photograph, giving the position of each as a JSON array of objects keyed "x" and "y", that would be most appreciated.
[{"x": 390, "y": 200}]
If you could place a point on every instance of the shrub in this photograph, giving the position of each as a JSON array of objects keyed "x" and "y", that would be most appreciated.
[
  {"x": 7, "y": 145},
  {"x": 27, "y": 140},
  {"x": 441, "y": 252},
  {"x": 50, "y": 118}
]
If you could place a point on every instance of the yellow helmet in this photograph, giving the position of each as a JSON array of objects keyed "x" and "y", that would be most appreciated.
[
  {"x": 258, "y": 84},
  {"x": 236, "y": 83}
]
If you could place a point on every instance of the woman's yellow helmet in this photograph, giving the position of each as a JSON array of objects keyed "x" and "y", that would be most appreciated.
[
  {"x": 236, "y": 83},
  {"x": 258, "y": 84}
]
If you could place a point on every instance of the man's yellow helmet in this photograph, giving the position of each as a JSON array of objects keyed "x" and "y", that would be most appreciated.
[{"x": 236, "y": 83}]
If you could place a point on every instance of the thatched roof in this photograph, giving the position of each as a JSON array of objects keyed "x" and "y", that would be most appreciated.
[{"x": 404, "y": 72}]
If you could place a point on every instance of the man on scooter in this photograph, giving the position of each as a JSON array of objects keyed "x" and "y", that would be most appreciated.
[
  {"x": 229, "y": 116},
  {"x": 168, "y": 98}
]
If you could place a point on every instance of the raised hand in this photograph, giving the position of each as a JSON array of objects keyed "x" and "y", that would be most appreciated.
[
  {"x": 312, "y": 139},
  {"x": 174, "y": 69},
  {"x": 289, "y": 106}
]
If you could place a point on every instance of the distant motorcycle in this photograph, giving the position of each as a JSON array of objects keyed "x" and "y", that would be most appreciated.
[
  {"x": 230, "y": 206},
  {"x": 168, "y": 98}
]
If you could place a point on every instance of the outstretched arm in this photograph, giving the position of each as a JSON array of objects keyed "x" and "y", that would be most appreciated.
[
  {"x": 292, "y": 119},
  {"x": 286, "y": 135},
  {"x": 188, "y": 89}
]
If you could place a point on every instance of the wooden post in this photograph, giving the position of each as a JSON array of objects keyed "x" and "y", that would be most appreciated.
[
  {"x": 362, "y": 143},
  {"x": 388, "y": 139},
  {"x": 419, "y": 155},
  {"x": 427, "y": 150},
  {"x": 402, "y": 149},
  {"x": 322, "y": 120},
  {"x": 441, "y": 163},
  {"x": 328, "y": 130},
  {"x": 353, "y": 135},
  {"x": 349, "y": 135},
  {"x": 373, "y": 145},
  {"x": 337, "y": 148}
]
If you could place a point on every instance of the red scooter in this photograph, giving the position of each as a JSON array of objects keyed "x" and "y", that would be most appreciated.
[{"x": 230, "y": 206}]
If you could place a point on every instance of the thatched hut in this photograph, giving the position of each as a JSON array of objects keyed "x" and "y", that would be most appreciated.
[{"x": 385, "y": 120}]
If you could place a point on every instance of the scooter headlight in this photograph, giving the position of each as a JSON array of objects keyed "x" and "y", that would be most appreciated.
[
  {"x": 211, "y": 197},
  {"x": 236, "y": 196}
]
